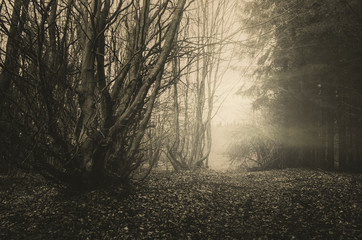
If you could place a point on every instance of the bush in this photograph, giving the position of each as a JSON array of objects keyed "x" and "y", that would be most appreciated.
[{"x": 254, "y": 148}]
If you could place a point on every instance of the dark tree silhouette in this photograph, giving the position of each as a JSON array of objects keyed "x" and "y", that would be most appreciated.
[{"x": 307, "y": 78}]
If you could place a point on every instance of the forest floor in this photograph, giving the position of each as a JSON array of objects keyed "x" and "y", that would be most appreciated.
[{"x": 276, "y": 204}]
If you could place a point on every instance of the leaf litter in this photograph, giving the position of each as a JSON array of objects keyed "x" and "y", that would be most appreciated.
[{"x": 204, "y": 204}]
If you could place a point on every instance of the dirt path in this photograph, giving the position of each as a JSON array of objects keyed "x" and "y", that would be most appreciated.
[{"x": 280, "y": 204}]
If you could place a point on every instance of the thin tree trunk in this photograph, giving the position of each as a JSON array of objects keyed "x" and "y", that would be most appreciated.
[
  {"x": 11, "y": 66},
  {"x": 330, "y": 142},
  {"x": 87, "y": 129},
  {"x": 341, "y": 132}
]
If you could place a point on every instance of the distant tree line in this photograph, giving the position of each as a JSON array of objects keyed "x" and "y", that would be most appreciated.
[{"x": 307, "y": 81}]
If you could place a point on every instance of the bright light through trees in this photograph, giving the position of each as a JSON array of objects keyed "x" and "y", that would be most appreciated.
[{"x": 93, "y": 91}]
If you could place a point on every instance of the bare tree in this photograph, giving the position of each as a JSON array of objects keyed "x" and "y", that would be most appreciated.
[
  {"x": 199, "y": 73},
  {"x": 89, "y": 75},
  {"x": 13, "y": 29}
]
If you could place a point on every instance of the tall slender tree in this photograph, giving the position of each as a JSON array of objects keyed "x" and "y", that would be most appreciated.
[{"x": 208, "y": 29}]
